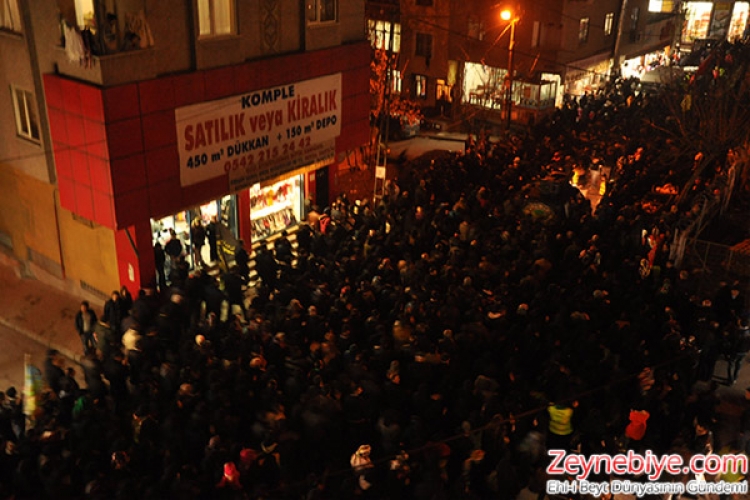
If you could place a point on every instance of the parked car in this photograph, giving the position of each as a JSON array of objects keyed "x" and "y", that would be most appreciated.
[{"x": 400, "y": 127}]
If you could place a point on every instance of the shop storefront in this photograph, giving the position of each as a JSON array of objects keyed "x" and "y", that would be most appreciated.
[
  {"x": 484, "y": 85},
  {"x": 739, "y": 21},
  {"x": 276, "y": 207},
  {"x": 637, "y": 67},
  {"x": 697, "y": 20},
  {"x": 714, "y": 21},
  {"x": 222, "y": 210},
  {"x": 197, "y": 145},
  {"x": 587, "y": 75}
]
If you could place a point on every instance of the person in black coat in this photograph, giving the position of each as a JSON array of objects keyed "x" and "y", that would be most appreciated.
[
  {"x": 233, "y": 288},
  {"x": 242, "y": 259},
  {"x": 113, "y": 312},
  {"x": 267, "y": 267},
  {"x": 160, "y": 260},
  {"x": 85, "y": 322},
  {"x": 212, "y": 234}
]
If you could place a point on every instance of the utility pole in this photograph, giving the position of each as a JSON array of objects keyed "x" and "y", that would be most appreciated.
[
  {"x": 384, "y": 120},
  {"x": 615, "y": 70}
]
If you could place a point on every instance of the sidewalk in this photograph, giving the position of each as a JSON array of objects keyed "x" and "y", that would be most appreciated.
[{"x": 39, "y": 311}]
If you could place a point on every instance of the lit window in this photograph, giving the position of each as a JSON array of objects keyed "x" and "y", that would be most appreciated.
[
  {"x": 443, "y": 90},
  {"x": 396, "y": 81},
  {"x": 27, "y": 120},
  {"x": 583, "y": 30},
  {"x": 609, "y": 22},
  {"x": 215, "y": 17},
  {"x": 424, "y": 45},
  {"x": 536, "y": 34},
  {"x": 10, "y": 17},
  {"x": 380, "y": 35},
  {"x": 322, "y": 11},
  {"x": 85, "y": 17},
  {"x": 420, "y": 86}
]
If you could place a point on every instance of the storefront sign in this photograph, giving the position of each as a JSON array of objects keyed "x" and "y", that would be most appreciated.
[
  {"x": 270, "y": 130},
  {"x": 314, "y": 156}
]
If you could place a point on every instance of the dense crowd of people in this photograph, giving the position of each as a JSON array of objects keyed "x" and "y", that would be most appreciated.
[{"x": 430, "y": 345}]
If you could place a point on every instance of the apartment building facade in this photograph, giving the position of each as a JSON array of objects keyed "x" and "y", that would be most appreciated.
[
  {"x": 560, "y": 46},
  {"x": 128, "y": 118}
]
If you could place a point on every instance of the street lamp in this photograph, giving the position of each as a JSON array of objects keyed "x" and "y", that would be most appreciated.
[{"x": 507, "y": 15}]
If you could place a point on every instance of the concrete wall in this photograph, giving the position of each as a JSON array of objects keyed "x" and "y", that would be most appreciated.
[
  {"x": 89, "y": 253},
  {"x": 27, "y": 216},
  {"x": 597, "y": 42}
]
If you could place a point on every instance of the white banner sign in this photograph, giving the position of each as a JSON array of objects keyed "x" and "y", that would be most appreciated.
[{"x": 267, "y": 130}]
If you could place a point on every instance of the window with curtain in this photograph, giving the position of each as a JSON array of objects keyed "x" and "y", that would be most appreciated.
[
  {"x": 380, "y": 35},
  {"x": 27, "y": 119},
  {"x": 396, "y": 81},
  {"x": 609, "y": 22},
  {"x": 322, "y": 11},
  {"x": 215, "y": 17},
  {"x": 536, "y": 34},
  {"x": 10, "y": 16},
  {"x": 420, "y": 86},
  {"x": 583, "y": 30}
]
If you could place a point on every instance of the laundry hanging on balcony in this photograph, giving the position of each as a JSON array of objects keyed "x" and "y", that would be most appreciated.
[{"x": 137, "y": 31}]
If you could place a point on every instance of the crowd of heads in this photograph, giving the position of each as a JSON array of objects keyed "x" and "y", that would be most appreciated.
[{"x": 422, "y": 346}]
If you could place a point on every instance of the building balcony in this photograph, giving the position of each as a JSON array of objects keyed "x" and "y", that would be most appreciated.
[{"x": 109, "y": 70}]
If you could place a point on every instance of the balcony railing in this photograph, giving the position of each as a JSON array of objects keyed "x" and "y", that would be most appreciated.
[{"x": 109, "y": 70}]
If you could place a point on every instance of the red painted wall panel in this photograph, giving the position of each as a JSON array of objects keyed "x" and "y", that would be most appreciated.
[
  {"x": 135, "y": 257},
  {"x": 121, "y": 102},
  {"x": 58, "y": 127},
  {"x": 80, "y": 164},
  {"x": 128, "y": 174},
  {"x": 125, "y": 138},
  {"x": 156, "y": 95},
  {"x": 104, "y": 212},
  {"x": 76, "y": 136},
  {"x": 95, "y": 135},
  {"x": 162, "y": 164},
  {"x": 84, "y": 202},
  {"x": 162, "y": 198},
  {"x": 67, "y": 189},
  {"x": 92, "y": 105},
  {"x": 132, "y": 207},
  {"x": 99, "y": 170},
  {"x": 71, "y": 96},
  {"x": 62, "y": 162},
  {"x": 188, "y": 89},
  {"x": 159, "y": 130},
  {"x": 219, "y": 83}
]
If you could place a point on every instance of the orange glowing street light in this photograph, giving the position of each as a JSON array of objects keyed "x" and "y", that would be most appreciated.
[{"x": 507, "y": 16}]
